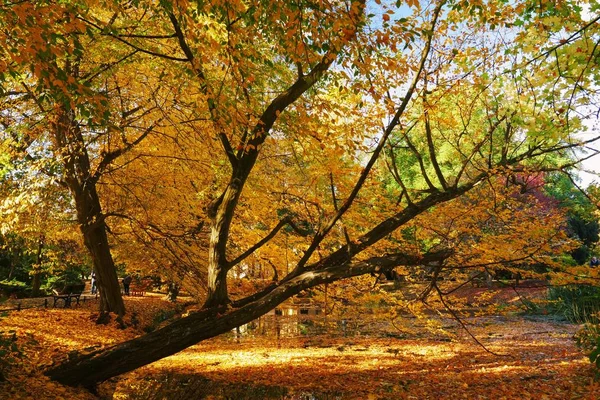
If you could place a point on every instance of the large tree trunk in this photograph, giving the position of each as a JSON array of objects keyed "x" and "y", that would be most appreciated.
[
  {"x": 88, "y": 370},
  {"x": 217, "y": 262},
  {"x": 96, "y": 241},
  {"x": 70, "y": 144}
]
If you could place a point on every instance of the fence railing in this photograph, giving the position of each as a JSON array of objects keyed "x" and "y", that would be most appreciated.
[{"x": 26, "y": 304}]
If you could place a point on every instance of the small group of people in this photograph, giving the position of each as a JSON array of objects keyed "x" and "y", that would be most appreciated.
[{"x": 126, "y": 283}]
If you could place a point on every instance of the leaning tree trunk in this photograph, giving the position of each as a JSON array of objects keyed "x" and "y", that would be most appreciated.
[{"x": 90, "y": 369}]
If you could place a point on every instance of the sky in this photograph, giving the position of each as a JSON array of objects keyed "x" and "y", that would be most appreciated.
[{"x": 593, "y": 165}]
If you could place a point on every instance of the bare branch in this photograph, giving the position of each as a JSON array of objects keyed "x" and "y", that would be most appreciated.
[
  {"x": 460, "y": 321},
  {"x": 133, "y": 46},
  {"x": 109, "y": 157},
  {"x": 265, "y": 240}
]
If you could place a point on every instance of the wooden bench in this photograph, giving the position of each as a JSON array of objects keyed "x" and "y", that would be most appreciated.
[
  {"x": 68, "y": 294},
  {"x": 135, "y": 290},
  {"x": 139, "y": 289}
]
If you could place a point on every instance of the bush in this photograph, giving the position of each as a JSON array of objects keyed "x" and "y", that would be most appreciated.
[
  {"x": 14, "y": 288},
  {"x": 68, "y": 277},
  {"x": 588, "y": 339},
  {"x": 576, "y": 303}
]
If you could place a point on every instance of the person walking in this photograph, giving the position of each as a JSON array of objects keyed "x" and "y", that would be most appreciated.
[{"x": 94, "y": 289}]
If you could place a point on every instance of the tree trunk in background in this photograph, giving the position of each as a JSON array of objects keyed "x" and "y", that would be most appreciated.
[{"x": 37, "y": 271}]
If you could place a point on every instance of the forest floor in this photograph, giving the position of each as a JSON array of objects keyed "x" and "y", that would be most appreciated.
[{"x": 525, "y": 357}]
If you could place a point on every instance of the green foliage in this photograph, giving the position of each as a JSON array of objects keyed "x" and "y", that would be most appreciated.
[
  {"x": 576, "y": 303},
  {"x": 16, "y": 258},
  {"x": 69, "y": 276},
  {"x": 588, "y": 339},
  {"x": 582, "y": 223},
  {"x": 14, "y": 288}
]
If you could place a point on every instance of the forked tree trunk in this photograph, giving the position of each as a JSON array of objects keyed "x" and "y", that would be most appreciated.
[{"x": 218, "y": 266}]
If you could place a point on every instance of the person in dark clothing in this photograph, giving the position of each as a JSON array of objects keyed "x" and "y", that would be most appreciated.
[
  {"x": 594, "y": 262},
  {"x": 126, "y": 283}
]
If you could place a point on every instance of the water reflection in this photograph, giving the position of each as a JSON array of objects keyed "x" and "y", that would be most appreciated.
[
  {"x": 298, "y": 321},
  {"x": 291, "y": 322}
]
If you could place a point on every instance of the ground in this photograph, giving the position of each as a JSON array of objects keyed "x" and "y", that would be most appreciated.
[{"x": 525, "y": 357}]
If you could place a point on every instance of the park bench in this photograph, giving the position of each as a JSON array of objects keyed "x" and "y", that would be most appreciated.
[
  {"x": 68, "y": 294},
  {"x": 139, "y": 288},
  {"x": 136, "y": 290}
]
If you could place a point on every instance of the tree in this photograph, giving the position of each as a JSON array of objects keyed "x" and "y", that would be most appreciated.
[
  {"x": 582, "y": 224},
  {"x": 62, "y": 93},
  {"x": 477, "y": 91},
  {"x": 33, "y": 219}
]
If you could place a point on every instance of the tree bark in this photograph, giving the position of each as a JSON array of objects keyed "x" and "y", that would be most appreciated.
[
  {"x": 96, "y": 241},
  {"x": 224, "y": 208},
  {"x": 71, "y": 145}
]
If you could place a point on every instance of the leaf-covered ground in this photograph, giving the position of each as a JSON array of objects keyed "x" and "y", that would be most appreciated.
[{"x": 535, "y": 358}]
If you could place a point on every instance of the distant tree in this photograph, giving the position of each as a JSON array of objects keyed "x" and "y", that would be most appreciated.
[{"x": 581, "y": 218}]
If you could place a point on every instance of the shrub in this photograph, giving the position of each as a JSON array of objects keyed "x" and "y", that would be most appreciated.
[
  {"x": 588, "y": 339},
  {"x": 577, "y": 304},
  {"x": 14, "y": 288},
  {"x": 62, "y": 280}
]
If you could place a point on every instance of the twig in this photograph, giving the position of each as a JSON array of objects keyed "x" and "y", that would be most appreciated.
[{"x": 462, "y": 324}]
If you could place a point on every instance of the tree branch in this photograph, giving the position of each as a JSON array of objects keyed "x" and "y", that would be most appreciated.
[
  {"x": 320, "y": 235},
  {"x": 285, "y": 221},
  {"x": 109, "y": 157}
]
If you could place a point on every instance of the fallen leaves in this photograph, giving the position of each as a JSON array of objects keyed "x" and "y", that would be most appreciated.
[{"x": 540, "y": 361}]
